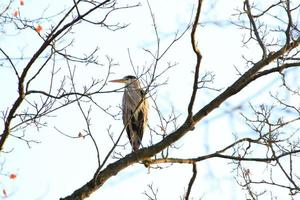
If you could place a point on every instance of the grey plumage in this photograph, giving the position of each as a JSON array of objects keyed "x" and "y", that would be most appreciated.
[{"x": 135, "y": 110}]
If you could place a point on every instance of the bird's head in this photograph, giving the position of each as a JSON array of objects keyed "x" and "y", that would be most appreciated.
[{"x": 127, "y": 80}]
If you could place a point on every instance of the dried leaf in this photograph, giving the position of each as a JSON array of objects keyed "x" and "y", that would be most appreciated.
[
  {"x": 16, "y": 13},
  {"x": 247, "y": 172},
  {"x": 13, "y": 176},
  {"x": 38, "y": 28}
]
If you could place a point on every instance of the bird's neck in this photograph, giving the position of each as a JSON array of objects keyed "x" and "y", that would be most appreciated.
[{"x": 133, "y": 86}]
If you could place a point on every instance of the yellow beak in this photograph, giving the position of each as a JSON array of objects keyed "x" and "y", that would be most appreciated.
[{"x": 118, "y": 81}]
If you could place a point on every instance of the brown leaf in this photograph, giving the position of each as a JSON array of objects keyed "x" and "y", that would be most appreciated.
[
  {"x": 13, "y": 176},
  {"x": 38, "y": 28}
]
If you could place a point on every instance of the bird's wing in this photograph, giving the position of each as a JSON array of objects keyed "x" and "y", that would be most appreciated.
[
  {"x": 126, "y": 117},
  {"x": 136, "y": 123}
]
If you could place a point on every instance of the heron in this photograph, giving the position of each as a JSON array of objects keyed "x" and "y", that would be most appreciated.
[{"x": 134, "y": 110}]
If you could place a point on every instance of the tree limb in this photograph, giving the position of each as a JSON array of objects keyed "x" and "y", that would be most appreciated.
[{"x": 191, "y": 182}]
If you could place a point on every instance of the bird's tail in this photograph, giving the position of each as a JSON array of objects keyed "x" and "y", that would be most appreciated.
[{"x": 136, "y": 145}]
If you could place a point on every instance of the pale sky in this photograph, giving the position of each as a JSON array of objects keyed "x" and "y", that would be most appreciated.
[{"x": 58, "y": 165}]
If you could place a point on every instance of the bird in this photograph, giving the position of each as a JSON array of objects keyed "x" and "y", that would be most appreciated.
[{"x": 134, "y": 110}]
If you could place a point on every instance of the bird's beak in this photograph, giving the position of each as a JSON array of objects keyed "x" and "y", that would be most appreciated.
[{"x": 118, "y": 81}]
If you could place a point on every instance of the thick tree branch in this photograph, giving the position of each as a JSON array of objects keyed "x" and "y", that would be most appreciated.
[
  {"x": 197, "y": 66},
  {"x": 244, "y": 80},
  {"x": 290, "y": 22},
  {"x": 219, "y": 155},
  {"x": 278, "y": 69},
  {"x": 191, "y": 182}
]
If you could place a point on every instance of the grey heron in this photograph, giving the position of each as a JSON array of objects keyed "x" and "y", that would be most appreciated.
[{"x": 134, "y": 109}]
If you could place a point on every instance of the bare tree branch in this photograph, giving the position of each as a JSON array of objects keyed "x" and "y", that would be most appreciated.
[
  {"x": 192, "y": 180},
  {"x": 197, "y": 67}
]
